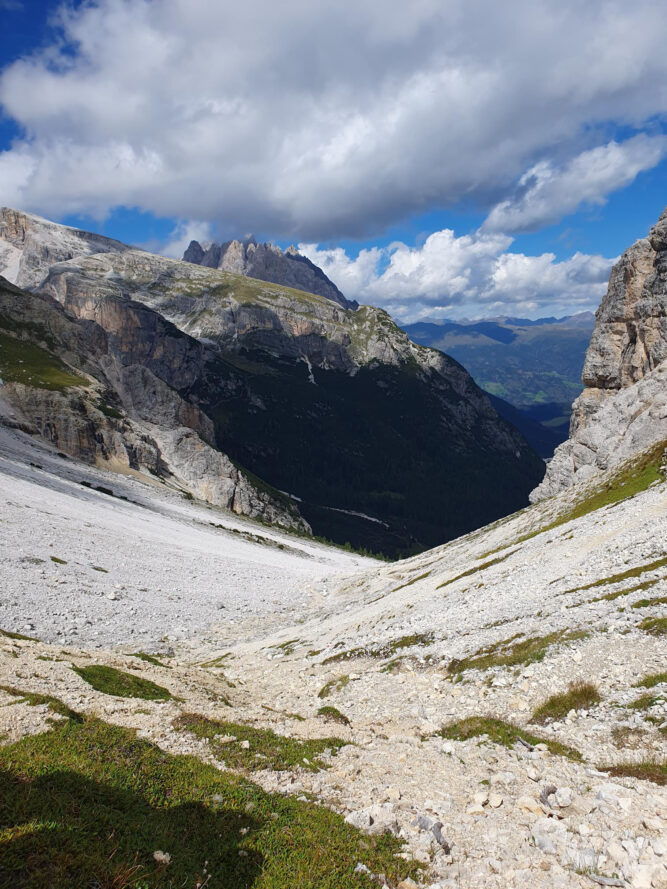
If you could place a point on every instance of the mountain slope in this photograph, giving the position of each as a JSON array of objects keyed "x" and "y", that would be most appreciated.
[
  {"x": 384, "y": 443},
  {"x": 110, "y": 395},
  {"x": 533, "y": 365}
]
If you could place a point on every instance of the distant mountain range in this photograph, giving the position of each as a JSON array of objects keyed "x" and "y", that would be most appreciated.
[{"x": 531, "y": 369}]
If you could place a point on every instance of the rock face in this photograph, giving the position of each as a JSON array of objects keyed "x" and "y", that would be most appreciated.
[
  {"x": 126, "y": 411},
  {"x": 386, "y": 444},
  {"x": 29, "y": 245},
  {"x": 267, "y": 263},
  {"x": 623, "y": 408}
]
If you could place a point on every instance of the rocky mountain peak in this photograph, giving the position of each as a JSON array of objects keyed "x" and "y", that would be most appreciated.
[
  {"x": 623, "y": 408},
  {"x": 266, "y": 262}
]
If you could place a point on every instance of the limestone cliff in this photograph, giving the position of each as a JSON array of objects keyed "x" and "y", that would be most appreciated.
[
  {"x": 623, "y": 408},
  {"x": 109, "y": 395},
  {"x": 267, "y": 263}
]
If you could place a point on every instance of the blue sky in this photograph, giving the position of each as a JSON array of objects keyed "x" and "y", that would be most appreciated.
[{"x": 437, "y": 160}]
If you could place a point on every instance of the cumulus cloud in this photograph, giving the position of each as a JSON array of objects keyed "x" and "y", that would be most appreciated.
[
  {"x": 547, "y": 193},
  {"x": 469, "y": 276},
  {"x": 179, "y": 239},
  {"x": 329, "y": 119}
]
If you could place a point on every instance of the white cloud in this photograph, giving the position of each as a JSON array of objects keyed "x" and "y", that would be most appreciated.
[
  {"x": 547, "y": 193},
  {"x": 328, "y": 119},
  {"x": 470, "y": 276},
  {"x": 179, "y": 239}
]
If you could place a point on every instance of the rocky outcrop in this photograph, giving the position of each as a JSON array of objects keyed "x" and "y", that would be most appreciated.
[
  {"x": 127, "y": 413},
  {"x": 623, "y": 408},
  {"x": 267, "y": 263},
  {"x": 30, "y": 245}
]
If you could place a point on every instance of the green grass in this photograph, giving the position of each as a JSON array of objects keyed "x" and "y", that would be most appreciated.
[
  {"x": 384, "y": 650},
  {"x": 650, "y": 680},
  {"x": 579, "y": 696},
  {"x": 656, "y": 626},
  {"x": 150, "y": 659},
  {"x": 266, "y": 749},
  {"x": 87, "y": 805},
  {"x": 33, "y": 699},
  {"x": 649, "y": 603},
  {"x": 647, "y": 770},
  {"x": 333, "y": 714},
  {"x": 501, "y": 732},
  {"x": 509, "y": 653},
  {"x": 8, "y": 634},
  {"x": 333, "y": 685},
  {"x": 610, "y": 597},
  {"x": 623, "y": 575},
  {"x": 644, "y": 702},
  {"x": 111, "y": 681},
  {"x": 24, "y": 362},
  {"x": 58, "y": 561},
  {"x": 477, "y": 568},
  {"x": 410, "y": 582}
]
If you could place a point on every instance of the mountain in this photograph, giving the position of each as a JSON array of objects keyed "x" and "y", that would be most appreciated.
[
  {"x": 535, "y": 366},
  {"x": 623, "y": 408},
  {"x": 377, "y": 440},
  {"x": 267, "y": 263}
]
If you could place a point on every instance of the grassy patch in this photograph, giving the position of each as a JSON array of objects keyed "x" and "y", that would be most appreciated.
[
  {"x": 648, "y": 770},
  {"x": 609, "y": 597},
  {"x": 644, "y": 702},
  {"x": 24, "y": 362},
  {"x": 8, "y": 634},
  {"x": 656, "y": 626},
  {"x": 33, "y": 699},
  {"x": 477, "y": 568},
  {"x": 111, "y": 681},
  {"x": 624, "y": 736},
  {"x": 649, "y": 603},
  {"x": 384, "y": 650},
  {"x": 579, "y": 696},
  {"x": 150, "y": 659},
  {"x": 88, "y": 804},
  {"x": 501, "y": 732},
  {"x": 650, "y": 680},
  {"x": 264, "y": 750},
  {"x": 58, "y": 561},
  {"x": 623, "y": 575},
  {"x": 410, "y": 582},
  {"x": 333, "y": 685},
  {"x": 509, "y": 653},
  {"x": 333, "y": 714}
]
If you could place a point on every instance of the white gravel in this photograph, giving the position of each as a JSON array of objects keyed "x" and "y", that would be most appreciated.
[{"x": 167, "y": 573}]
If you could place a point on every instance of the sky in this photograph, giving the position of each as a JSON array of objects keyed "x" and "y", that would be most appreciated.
[{"x": 442, "y": 158}]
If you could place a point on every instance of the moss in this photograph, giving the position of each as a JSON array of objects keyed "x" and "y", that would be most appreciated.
[
  {"x": 117, "y": 683},
  {"x": 579, "y": 696},
  {"x": 644, "y": 702},
  {"x": 500, "y": 732},
  {"x": 265, "y": 748},
  {"x": 24, "y": 362},
  {"x": 333, "y": 714},
  {"x": 508, "y": 653},
  {"x": 88, "y": 804},
  {"x": 333, "y": 685}
]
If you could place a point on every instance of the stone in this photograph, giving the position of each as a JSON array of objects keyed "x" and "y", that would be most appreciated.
[
  {"x": 530, "y": 805},
  {"x": 564, "y": 797},
  {"x": 495, "y": 800},
  {"x": 407, "y": 884}
]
